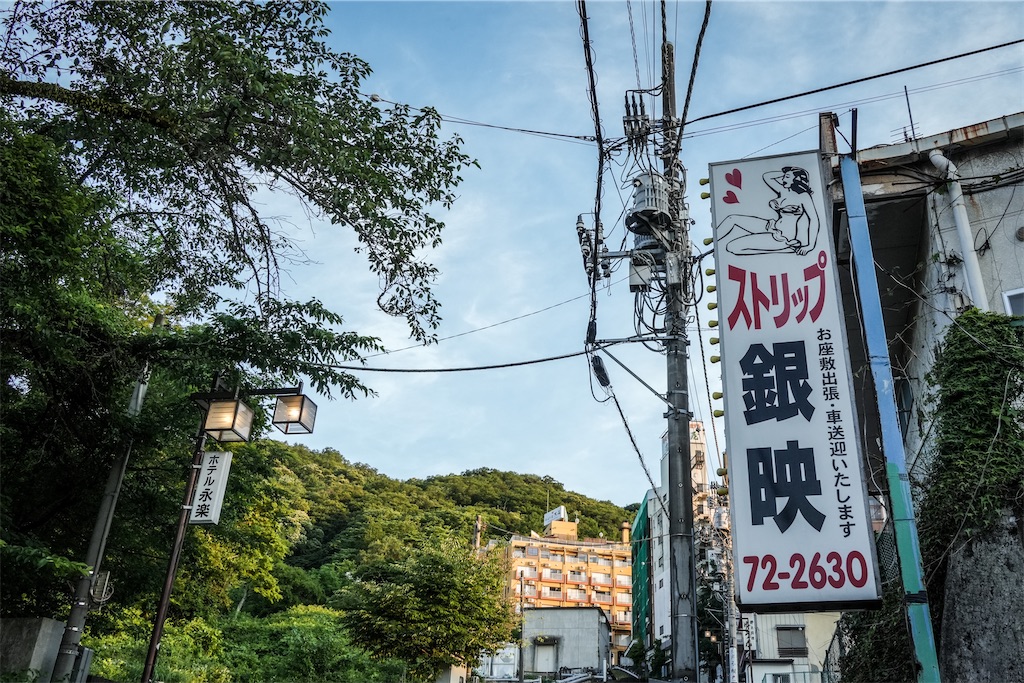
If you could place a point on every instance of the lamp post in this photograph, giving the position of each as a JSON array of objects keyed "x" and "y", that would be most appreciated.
[{"x": 226, "y": 418}]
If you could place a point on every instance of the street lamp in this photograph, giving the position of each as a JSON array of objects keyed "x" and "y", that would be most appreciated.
[{"x": 226, "y": 419}]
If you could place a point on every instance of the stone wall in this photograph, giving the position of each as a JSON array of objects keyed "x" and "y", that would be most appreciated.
[{"x": 983, "y": 620}]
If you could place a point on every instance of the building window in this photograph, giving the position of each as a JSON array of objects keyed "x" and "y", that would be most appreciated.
[
  {"x": 1013, "y": 300},
  {"x": 792, "y": 642},
  {"x": 533, "y": 551}
]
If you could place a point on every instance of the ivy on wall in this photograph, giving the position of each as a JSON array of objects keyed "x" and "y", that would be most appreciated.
[
  {"x": 976, "y": 474},
  {"x": 978, "y": 468}
]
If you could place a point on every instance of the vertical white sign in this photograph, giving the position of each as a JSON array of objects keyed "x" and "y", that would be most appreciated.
[
  {"x": 209, "y": 496},
  {"x": 802, "y": 536}
]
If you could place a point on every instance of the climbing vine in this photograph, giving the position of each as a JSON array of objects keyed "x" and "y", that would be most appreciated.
[
  {"x": 977, "y": 471},
  {"x": 975, "y": 475}
]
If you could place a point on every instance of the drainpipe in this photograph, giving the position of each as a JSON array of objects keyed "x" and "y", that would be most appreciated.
[{"x": 975, "y": 283}]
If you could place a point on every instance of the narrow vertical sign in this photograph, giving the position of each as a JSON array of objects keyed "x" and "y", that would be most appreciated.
[
  {"x": 802, "y": 537},
  {"x": 213, "y": 480}
]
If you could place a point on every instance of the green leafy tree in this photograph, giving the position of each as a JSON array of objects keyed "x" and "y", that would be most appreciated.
[
  {"x": 440, "y": 605},
  {"x": 139, "y": 145},
  {"x": 301, "y": 644}
]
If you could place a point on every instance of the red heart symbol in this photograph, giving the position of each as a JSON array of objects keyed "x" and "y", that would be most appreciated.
[
  {"x": 735, "y": 178},
  {"x": 730, "y": 198}
]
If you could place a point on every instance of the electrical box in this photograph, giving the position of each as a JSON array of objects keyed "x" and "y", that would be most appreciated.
[{"x": 639, "y": 277}]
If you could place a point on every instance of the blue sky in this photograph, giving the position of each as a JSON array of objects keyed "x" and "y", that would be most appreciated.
[{"x": 510, "y": 250}]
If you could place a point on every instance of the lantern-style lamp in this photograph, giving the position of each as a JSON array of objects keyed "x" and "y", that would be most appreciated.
[
  {"x": 295, "y": 414},
  {"x": 228, "y": 420}
]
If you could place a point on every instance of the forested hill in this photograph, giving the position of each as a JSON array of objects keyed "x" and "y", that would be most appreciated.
[{"x": 346, "y": 500}]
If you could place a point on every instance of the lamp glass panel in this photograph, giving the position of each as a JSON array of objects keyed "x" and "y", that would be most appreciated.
[
  {"x": 295, "y": 414},
  {"x": 228, "y": 421}
]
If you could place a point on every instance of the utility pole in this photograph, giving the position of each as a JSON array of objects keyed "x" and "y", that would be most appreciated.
[
  {"x": 683, "y": 575},
  {"x": 67, "y": 654}
]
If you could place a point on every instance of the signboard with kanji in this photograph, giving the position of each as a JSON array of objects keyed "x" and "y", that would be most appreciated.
[
  {"x": 213, "y": 480},
  {"x": 802, "y": 538}
]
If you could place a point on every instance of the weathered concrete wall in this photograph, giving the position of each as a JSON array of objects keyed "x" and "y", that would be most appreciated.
[
  {"x": 29, "y": 645},
  {"x": 983, "y": 619}
]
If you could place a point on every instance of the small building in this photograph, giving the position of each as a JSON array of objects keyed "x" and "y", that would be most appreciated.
[{"x": 566, "y": 639}]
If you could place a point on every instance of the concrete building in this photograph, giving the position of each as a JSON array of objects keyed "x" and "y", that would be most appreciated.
[
  {"x": 652, "y": 626},
  {"x": 784, "y": 648},
  {"x": 560, "y": 570},
  {"x": 566, "y": 640}
]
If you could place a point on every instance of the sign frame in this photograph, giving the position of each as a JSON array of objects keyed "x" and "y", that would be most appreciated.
[{"x": 802, "y": 535}]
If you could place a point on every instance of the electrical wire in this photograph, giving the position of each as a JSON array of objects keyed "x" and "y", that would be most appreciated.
[
  {"x": 857, "y": 80},
  {"x": 468, "y": 369}
]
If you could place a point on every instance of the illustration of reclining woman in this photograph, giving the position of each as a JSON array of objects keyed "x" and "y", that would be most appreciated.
[{"x": 794, "y": 229}]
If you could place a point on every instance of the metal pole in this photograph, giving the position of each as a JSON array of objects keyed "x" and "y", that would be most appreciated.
[
  {"x": 915, "y": 595},
  {"x": 179, "y": 541},
  {"x": 682, "y": 576}
]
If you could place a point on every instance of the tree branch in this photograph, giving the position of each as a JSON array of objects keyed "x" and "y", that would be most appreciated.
[{"x": 80, "y": 100}]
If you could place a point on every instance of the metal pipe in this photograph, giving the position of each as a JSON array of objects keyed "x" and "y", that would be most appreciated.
[{"x": 975, "y": 283}]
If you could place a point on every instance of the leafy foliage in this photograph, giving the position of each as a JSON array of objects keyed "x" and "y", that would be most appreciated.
[
  {"x": 978, "y": 468},
  {"x": 517, "y": 502},
  {"x": 214, "y": 102},
  {"x": 440, "y": 605},
  {"x": 880, "y": 647},
  {"x": 138, "y": 147},
  {"x": 301, "y": 644}
]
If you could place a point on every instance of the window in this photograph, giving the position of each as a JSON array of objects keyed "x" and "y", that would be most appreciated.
[
  {"x": 532, "y": 551},
  {"x": 1013, "y": 300},
  {"x": 792, "y": 642}
]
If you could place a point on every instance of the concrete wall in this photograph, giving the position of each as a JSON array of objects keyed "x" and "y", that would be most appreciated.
[
  {"x": 982, "y": 638},
  {"x": 584, "y": 638},
  {"x": 29, "y": 645},
  {"x": 994, "y": 216}
]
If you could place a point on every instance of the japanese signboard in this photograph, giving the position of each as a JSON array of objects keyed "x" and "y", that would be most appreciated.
[
  {"x": 213, "y": 480},
  {"x": 802, "y": 538}
]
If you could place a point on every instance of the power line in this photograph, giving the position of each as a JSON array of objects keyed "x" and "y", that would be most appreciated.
[
  {"x": 857, "y": 80},
  {"x": 591, "y": 138},
  {"x": 469, "y": 369}
]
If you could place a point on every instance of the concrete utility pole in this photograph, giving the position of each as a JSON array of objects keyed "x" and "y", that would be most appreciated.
[
  {"x": 67, "y": 654},
  {"x": 682, "y": 576}
]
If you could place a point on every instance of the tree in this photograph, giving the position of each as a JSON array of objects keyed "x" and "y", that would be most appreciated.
[
  {"x": 441, "y": 605},
  {"x": 139, "y": 143},
  {"x": 181, "y": 112}
]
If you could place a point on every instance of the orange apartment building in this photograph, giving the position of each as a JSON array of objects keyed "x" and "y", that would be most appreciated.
[{"x": 559, "y": 570}]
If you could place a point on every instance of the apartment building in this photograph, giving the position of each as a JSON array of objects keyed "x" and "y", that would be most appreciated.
[{"x": 558, "y": 569}]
